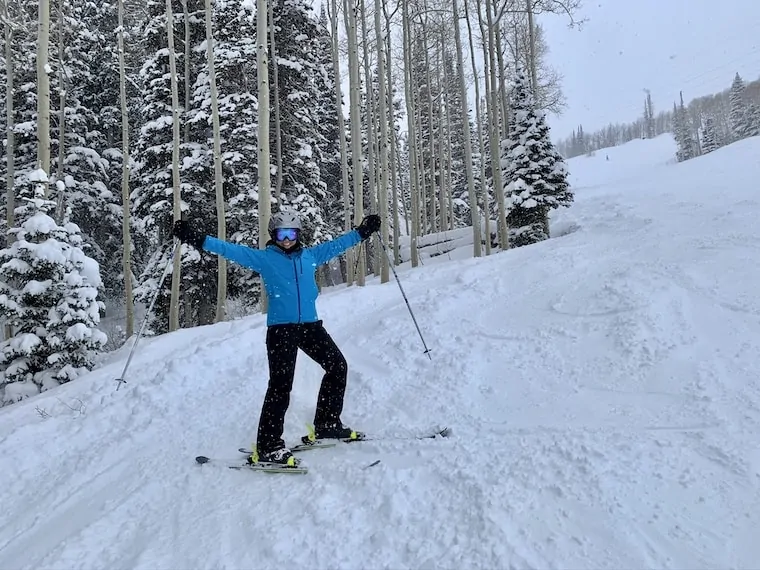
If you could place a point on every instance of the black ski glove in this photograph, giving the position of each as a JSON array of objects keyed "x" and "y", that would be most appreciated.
[
  {"x": 184, "y": 233},
  {"x": 369, "y": 225}
]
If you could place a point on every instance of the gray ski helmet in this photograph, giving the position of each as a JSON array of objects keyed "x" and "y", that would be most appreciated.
[{"x": 285, "y": 220}]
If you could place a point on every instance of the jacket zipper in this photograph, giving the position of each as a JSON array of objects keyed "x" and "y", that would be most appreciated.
[{"x": 298, "y": 289}]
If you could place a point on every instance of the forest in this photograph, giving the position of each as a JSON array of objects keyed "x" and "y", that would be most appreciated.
[{"x": 124, "y": 116}]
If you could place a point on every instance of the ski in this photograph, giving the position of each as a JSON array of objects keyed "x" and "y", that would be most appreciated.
[
  {"x": 298, "y": 448},
  {"x": 307, "y": 445},
  {"x": 433, "y": 434},
  {"x": 261, "y": 466},
  {"x": 266, "y": 467}
]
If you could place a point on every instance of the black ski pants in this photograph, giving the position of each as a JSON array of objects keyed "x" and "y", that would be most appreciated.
[{"x": 283, "y": 342}]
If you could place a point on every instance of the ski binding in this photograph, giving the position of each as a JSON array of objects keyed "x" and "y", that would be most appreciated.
[{"x": 261, "y": 466}]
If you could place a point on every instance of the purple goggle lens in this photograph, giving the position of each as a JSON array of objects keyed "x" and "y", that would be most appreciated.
[{"x": 281, "y": 234}]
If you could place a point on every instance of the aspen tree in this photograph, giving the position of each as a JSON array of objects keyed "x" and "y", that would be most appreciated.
[{"x": 221, "y": 290}]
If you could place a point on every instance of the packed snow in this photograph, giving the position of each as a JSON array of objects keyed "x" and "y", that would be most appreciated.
[{"x": 602, "y": 390}]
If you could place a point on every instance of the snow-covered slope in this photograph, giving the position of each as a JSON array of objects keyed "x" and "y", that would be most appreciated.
[
  {"x": 602, "y": 388},
  {"x": 624, "y": 162}
]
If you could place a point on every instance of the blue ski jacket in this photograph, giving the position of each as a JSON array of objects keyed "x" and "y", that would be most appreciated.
[{"x": 289, "y": 276}]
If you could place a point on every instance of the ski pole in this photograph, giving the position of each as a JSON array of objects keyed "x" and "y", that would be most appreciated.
[
  {"x": 121, "y": 380},
  {"x": 390, "y": 263},
  {"x": 358, "y": 259}
]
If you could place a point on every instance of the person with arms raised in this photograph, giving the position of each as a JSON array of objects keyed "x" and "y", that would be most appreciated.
[{"x": 288, "y": 271}]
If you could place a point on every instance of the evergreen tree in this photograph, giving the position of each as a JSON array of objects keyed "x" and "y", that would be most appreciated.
[
  {"x": 753, "y": 119},
  {"x": 48, "y": 295},
  {"x": 430, "y": 126},
  {"x": 456, "y": 110},
  {"x": 490, "y": 204},
  {"x": 580, "y": 142},
  {"x": 327, "y": 121},
  {"x": 24, "y": 92},
  {"x": 152, "y": 195},
  {"x": 649, "y": 125},
  {"x": 300, "y": 97},
  {"x": 684, "y": 139},
  {"x": 677, "y": 129},
  {"x": 534, "y": 173},
  {"x": 738, "y": 118},
  {"x": 199, "y": 278},
  {"x": 235, "y": 57},
  {"x": 709, "y": 136},
  {"x": 91, "y": 174},
  {"x": 404, "y": 182},
  {"x": 736, "y": 106},
  {"x": 646, "y": 119}
]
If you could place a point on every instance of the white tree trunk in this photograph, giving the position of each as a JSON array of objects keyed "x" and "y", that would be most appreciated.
[
  {"x": 61, "y": 115},
  {"x": 448, "y": 170},
  {"x": 420, "y": 218},
  {"x": 126, "y": 260},
  {"x": 394, "y": 195},
  {"x": 188, "y": 83},
  {"x": 479, "y": 126},
  {"x": 486, "y": 104},
  {"x": 476, "y": 250},
  {"x": 407, "y": 206},
  {"x": 534, "y": 76},
  {"x": 177, "y": 197},
  {"x": 502, "y": 73},
  {"x": 276, "y": 99},
  {"x": 449, "y": 184},
  {"x": 332, "y": 10},
  {"x": 382, "y": 193},
  {"x": 411, "y": 134},
  {"x": 370, "y": 122},
  {"x": 43, "y": 91},
  {"x": 221, "y": 290},
  {"x": 262, "y": 65},
  {"x": 356, "y": 141},
  {"x": 532, "y": 48},
  {"x": 494, "y": 131},
  {"x": 429, "y": 201},
  {"x": 10, "y": 196},
  {"x": 444, "y": 130},
  {"x": 392, "y": 135}
]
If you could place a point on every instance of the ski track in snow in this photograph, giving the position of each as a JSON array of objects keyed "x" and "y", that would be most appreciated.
[{"x": 602, "y": 390}]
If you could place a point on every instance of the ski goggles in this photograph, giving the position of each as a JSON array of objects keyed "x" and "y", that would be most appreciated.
[{"x": 281, "y": 234}]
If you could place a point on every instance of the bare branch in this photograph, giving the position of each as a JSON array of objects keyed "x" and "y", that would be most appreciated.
[
  {"x": 80, "y": 408},
  {"x": 42, "y": 413},
  {"x": 566, "y": 7}
]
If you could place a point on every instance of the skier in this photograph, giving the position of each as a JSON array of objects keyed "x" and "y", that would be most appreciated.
[{"x": 287, "y": 269}]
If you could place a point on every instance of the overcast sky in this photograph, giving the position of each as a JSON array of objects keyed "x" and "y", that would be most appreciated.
[
  {"x": 627, "y": 46},
  {"x": 663, "y": 45}
]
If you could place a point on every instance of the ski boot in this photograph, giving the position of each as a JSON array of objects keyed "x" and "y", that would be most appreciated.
[
  {"x": 334, "y": 431},
  {"x": 282, "y": 457}
]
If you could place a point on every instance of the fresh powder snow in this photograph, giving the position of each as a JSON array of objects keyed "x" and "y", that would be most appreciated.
[{"x": 601, "y": 386}]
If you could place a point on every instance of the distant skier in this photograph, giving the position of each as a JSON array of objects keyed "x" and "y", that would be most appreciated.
[{"x": 287, "y": 269}]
